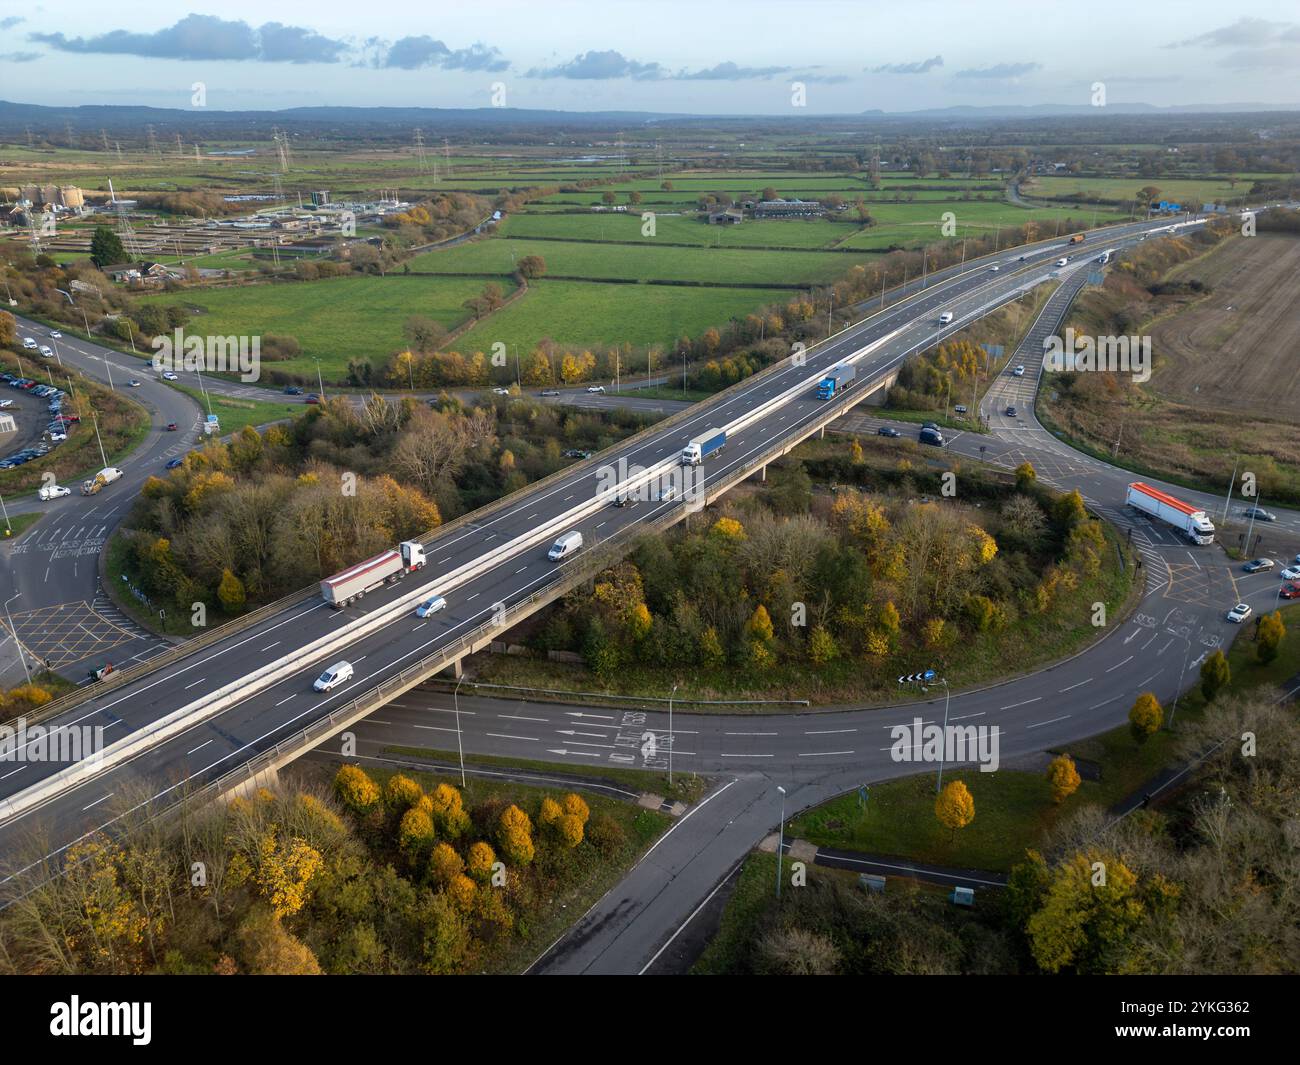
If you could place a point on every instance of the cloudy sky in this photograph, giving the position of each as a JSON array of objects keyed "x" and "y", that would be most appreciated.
[{"x": 651, "y": 55}]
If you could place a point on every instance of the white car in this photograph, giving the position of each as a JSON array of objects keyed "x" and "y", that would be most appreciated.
[
  {"x": 595, "y": 388},
  {"x": 133, "y": 383},
  {"x": 56, "y": 334},
  {"x": 29, "y": 343},
  {"x": 167, "y": 375},
  {"x": 431, "y": 606},
  {"x": 53, "y": 491},
  {"x": 501, "y": 391},
  {"x": 1061, "y": 262},
  {"x": 945, "y": 318},
  {"x": 1291, "y": 573},
  {"x": 47, "y": 351},
  {"x": 1239, "y": 613},
  {"x": 333, "y": 677},
  {"x": 58, "y": 438},
  {"x": 6, "y": 403},
  {"x": 1019, "y": 371},
  {"x": 994, "y": 268}
]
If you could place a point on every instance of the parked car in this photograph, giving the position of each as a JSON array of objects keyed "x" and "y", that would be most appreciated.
[
  {"x": 1290, "y": 591},
  {"x": 53, "y": 491},
  {"x": 431, "y": 606},
  {"x": 1258, "y": 565},
  {"x": 6, "y": 403},
  {"x": 1239, "y": 613},
  {"x": 1259, "y": 514},
  {"x": 959, "y": 409},
  {"x": 58, "y": 437},
  {"x": 1291, "y": 573},
  {"x": 887, "y": 430}
]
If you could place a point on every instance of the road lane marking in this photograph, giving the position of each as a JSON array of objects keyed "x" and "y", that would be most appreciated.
[
  {"x": 1118, "y": 664},
  {"x": 503, "y": 736},
  {"x": 199, "y": 747},
  {"x": 1039, "y": 724}
]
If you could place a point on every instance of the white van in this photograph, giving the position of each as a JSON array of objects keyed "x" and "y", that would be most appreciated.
[
  {"x": 333, "y": 677},
  {"x": 565, "y": 546},
  {"x": 29, "y": 343},
  {"x": 110, "y": 474},
  {"x": 945, "y": 318},
  {"x": 1061, "y": 262}
]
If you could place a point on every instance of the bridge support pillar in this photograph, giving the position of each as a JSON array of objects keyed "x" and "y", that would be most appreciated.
[
  {"x": 455, "y": 670},
  {"x": 821, "y": 433}
]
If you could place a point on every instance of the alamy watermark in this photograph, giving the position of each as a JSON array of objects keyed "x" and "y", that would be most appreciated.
[
  {"x": 68, "y": 744},
  {"x": 1105, "y": 354},
  {"x": 241, "y": 355},
  {"x": 941, "y": 744}
]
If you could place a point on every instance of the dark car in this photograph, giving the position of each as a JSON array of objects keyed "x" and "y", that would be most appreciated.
[
  {"x": 171, "y": 427},
  {"x": 173, "y": 463},
  {"x": 626, "y": 501},
  {"x": 887, "y": 430},
  {"x": 931, "y": 436},
  {"x": 1258, "y": 565},
  {"x": 292, "y": 390},
  {"x": 312, "y": 398},
  {"x": 1011, "y": 412},
  {"x": 1259, "y": 514},
  {"x": 1290, "y": 591}
]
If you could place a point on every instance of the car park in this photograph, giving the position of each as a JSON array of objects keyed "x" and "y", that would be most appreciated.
[
  {"x": 1239, "y": 613},
  {"x": 887, "y": 430},
  {"x": 53, "y": 491},
  {"x": 1259, "y": 565},
  {"x": 333, "y": 677},
  {"x": 431, "y": 606}
]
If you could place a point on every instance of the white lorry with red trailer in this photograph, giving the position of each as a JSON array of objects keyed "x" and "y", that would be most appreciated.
[
  {"x": 1191, "y": 521},
  {"x": 391, "y": 566}
]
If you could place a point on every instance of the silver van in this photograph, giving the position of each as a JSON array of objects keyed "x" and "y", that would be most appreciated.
[{"x": 565, "y": 546}]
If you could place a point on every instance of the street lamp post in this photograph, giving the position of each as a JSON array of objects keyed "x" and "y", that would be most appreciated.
[
  {"x": 780, "y": 843},
  {"x": 947, "y": 697},
  {"x": 460, "y": 748},
  {"x": 5, "y": 510},
  {"x": 670, "y": 736},
  {"x": 17, "y": 643}
]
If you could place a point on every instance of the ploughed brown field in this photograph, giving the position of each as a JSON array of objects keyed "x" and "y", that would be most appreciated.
[{"x": 1238, "y": 349}]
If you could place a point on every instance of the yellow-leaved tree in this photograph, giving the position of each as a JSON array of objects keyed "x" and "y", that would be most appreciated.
[{"x": 955, "y": 807}]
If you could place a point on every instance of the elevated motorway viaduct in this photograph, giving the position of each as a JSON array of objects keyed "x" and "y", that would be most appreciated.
[{"x": 213, "y": 714}]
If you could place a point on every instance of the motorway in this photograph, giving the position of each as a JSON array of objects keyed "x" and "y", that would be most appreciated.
[{"x": 822, "y": 754}]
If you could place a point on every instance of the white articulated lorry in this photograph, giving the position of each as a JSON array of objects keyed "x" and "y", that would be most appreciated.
[
  {"x": 1191, "y": 521},
  {"x": 353, "y": 583}
]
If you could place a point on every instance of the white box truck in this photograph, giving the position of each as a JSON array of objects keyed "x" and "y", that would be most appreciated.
[
  {"x": 1187, "y": 519},
  {"x": 353, "y": 583},
  {"x": 702, "y": 446}
]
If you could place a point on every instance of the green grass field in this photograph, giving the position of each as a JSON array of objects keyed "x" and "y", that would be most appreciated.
[
  {"x": 670, "y": 229},
  {"x": 580, "y": 313},
  {"x": 651, "y": 262},
  {"x": 334, "y": 320}
]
